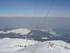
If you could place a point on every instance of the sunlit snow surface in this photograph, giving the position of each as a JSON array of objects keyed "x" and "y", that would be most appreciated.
[
  {"x": 10, "y": 45},
  {"x": 14, "y": 44},
  {"x": 47, "y": 47},
  {"x": 23, "y": 40},
  {"x": 22, "y": 31}
]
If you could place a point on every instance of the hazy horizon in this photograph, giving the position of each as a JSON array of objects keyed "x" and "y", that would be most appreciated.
[{"x": 29, "y": 22}]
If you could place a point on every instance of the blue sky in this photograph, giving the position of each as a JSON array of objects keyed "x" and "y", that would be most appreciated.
[{"x": 35, "y": 8}]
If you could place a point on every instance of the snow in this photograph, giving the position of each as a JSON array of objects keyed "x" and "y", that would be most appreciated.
[
  {"x": 22, "y": 31},
  {"x": 47, "y": 47},
  {"x": 18, "y": 46},
  {"x": 10, "y": 45},
  {"x": 44, "y": 38},
  {"x": 15, "y": 45}
]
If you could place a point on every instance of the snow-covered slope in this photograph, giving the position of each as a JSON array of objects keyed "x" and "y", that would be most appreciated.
[
  {"x": 10, "y": 45},
  {"x": 47, "y": 47},
  {"x": 22, "y": 31},
  {"x": 29, "y": 41}
]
